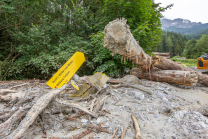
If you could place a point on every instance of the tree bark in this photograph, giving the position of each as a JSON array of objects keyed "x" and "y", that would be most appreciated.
[
  {"x": 167, "y": 64},
  {"x": 170, "y": 76},
  {"x": 32, "y": 114}
]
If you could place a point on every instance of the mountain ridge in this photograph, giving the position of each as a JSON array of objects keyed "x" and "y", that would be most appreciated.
[{"x": 184, "y": 26}]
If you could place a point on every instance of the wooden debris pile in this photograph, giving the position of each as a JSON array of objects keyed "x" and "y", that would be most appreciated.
[{"x": 32, "y": 104}]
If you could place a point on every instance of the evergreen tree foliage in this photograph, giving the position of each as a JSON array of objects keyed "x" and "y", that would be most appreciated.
[
  {"x": 196, "y": 48},
  {"x": 172, "y": 42}
]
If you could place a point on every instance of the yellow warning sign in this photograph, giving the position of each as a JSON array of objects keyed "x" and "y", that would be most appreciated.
[{"x": 65, "y": 73}]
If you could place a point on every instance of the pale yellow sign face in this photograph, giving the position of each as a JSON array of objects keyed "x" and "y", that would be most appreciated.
[
  {"x": 99, "y": 78},
  {"x": 65, "y": 73}
]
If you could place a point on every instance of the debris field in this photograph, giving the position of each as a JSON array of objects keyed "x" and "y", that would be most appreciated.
[{"x": 32, "y": 110}]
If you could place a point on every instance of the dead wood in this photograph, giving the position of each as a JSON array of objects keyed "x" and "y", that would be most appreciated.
[
  {"x": 18, "y": 85},
  {"x": 5, "y": 91},
  {"x": 124, "y": 133},
  {"x": 170, "y": 76},
  {"x": 167, "y": 64},
  {"x": 114, "y": 133},
  {"x": 37, "y": 108},
  {"x": 92, "y": 104},
  {"x": 98, "y": 106},
  {"x": 11, "y": 96},
  {"x": 114, "y": 81},
  {"x": 81, "y": 135},
  {"x": 96, "y": 127},
  {"x": 7, "y": 126},
  {"x": 59, "y": 121},
  {"x": 77, "y": 136},
  {"x": 131, "y": 86},
  {"x": 137, "y": 128},
  {"x": 73, "y": 105}
]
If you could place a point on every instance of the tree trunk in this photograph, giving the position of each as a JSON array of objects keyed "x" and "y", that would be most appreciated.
[
  {"x": 167, "y": 64},
  {"x": 33, "y": 113},
  {"x": 170, "y": 76}
]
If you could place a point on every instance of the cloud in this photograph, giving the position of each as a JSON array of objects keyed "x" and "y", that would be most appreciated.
[{"x": 193, "y": 10}]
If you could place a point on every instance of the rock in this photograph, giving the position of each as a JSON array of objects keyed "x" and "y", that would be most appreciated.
[
  {"x": 105, "y": 86},
  {"x": 169, "y": 89},
  {"x": 160, "y": 95},
  {"x": 84, "y": 121},
  {"x": 139, "y": 95},
  {"x": 163, "y": 130},
  {"x": 160, "y": 89},
  {"x": 166, "y": 92},
  {"x": 106, "y": 125},
  {"x": 156, "y": 115},
  {"x": 131, "y": 79},
  {"x": 165, "y": 99}
]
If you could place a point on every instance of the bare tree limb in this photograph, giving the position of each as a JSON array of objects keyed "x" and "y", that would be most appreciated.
[{"x": 37, "y": 108}]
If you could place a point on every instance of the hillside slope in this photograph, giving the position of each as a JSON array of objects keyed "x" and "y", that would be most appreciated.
[{"x": 183, "y": 26}]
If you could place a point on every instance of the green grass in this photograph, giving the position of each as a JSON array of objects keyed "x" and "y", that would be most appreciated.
[{"x": 187, "y": 62}]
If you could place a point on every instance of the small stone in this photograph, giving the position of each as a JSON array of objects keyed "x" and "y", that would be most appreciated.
[
  {"x": 139, "y": 95},
  {"x": 199, "y": 102},
  {"x": 169, "y": 89},
  {"x": 132, "y": 93},
  {"x": 132, "y": 79},
  {"x": 163, "y": 130},
  {"x": 84, "y": 121},
  {"x": 160, "y": 89},
  {"x": 105, "y": 86},
  {"x": 115, "y": 91},
  {"x": 156, "y": 115},
  {"x": 160, "y": 95},
  {"x": 106, "y": 124},
  {"x": 166, "y": 92}
]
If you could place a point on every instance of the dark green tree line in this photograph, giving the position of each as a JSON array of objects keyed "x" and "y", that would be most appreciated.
[
  {"x": 172, "y": 42},
  {"x": 196, "y": 48}
]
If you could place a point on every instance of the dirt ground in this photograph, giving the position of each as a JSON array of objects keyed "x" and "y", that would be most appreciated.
[{"x": 171, "y": 112}]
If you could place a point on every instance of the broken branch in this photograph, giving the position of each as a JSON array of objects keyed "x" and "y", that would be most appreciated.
[{"x": 137, "y": 128}]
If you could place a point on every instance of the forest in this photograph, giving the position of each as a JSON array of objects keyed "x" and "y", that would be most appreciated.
[
  {"x": 39, "y": 36},
  {"x": 177, "y": 44}
]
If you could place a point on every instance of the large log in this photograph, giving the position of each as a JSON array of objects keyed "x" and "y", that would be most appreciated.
[
  {"x": 167, "y": 64},
  {"x": 170, "y": 76}
]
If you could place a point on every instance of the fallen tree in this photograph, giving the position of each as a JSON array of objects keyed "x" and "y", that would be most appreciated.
[
  {"x": 119, "y": 40},
  {"x": 169, "y": 76}
]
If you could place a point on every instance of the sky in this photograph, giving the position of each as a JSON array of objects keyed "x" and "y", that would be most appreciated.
[{"x": 193, "y": 10}]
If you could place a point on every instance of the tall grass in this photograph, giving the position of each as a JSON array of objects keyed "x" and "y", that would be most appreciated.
[{"x": 187, "y": 62}]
